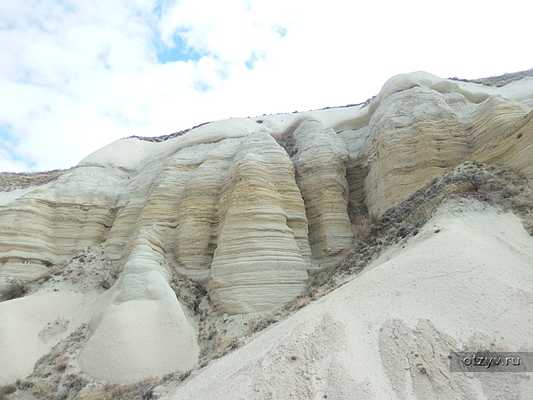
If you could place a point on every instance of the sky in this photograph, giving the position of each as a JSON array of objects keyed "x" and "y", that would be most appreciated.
[{"x": 76, "y": 75}]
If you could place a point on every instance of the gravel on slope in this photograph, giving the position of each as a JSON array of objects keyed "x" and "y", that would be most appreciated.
[{"x": 21, "y": 180}]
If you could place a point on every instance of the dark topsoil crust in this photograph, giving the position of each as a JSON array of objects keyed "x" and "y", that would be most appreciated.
[
  {"x": 21, "y": 180},
  {"x": 496, "y": 81},
  {"x": 500, "y": 80}
]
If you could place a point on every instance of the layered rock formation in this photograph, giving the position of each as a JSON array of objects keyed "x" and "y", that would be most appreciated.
[
  {"x": 320, "y": 162},
  {"x": 248, "y": 210},
  {"x": 259, "y": 262}
]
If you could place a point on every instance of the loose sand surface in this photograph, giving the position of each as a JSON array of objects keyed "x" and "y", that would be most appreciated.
[{"x": 464, "y": 282}]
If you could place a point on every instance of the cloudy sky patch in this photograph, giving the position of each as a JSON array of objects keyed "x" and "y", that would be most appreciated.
[{"x": 78, "y": 74}]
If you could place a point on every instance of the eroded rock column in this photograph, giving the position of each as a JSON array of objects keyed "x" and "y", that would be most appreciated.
[
  {"x": 198, "y": 219},
  {"x": 415, "y": 136},
  {"x": 258, "y": 264},
  {"x": 321, "y": 175}
]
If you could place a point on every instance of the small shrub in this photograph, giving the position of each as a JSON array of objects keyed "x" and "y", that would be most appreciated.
[
  {"x": 16, "y": 289},
  {"x": 7, "y": 389},
  {"x": 74, "y": 383},
  {"x": 136, "y": 391},
  {"x": 61, "y": 367},
  {"x": 42, "y": 390}
]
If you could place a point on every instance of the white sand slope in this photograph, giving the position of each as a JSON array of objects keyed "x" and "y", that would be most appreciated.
[
  {"x": 32, "y": 325},
  {"x": 139, "y": 329},
  {"x": 140, "y": 337},
  {"x": 465, "y": 280}
]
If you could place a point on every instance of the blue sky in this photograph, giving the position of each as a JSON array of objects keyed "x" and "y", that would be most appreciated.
[
  {"x": 178, "y": 50},
  {"x": 10, "y": 147},
  {"x": 76, "y": 75},
  {"x": 7, "y": 141}
]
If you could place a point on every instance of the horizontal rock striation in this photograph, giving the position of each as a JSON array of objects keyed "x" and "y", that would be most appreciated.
[
  {"x": 247, "y": 208},
  {"x": 502, "y": 133},
  {"x": 320, "y": 163},
  {"x": 258, "y": 264},
  {"x": 337, "y": 166},
  {"x": 415, "y": 137},
  {"x": 45, "y": 232},
  {"x": 227, "y": 192},
  {"x": 197, "y": 217},
  {"x": 421, "y": 127}
]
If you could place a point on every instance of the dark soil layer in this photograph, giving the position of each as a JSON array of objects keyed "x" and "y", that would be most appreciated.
[
  {"x": 21, "y": 180},
  {"x": 500, "y": 80}
]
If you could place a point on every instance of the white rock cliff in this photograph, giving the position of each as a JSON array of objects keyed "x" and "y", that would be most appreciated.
[{"x": 252, "y": 211}]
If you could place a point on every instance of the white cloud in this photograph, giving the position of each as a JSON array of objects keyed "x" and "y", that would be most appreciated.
[{"x": 75, "y": 75}]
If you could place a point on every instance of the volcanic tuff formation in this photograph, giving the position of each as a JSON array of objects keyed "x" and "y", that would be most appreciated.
[{"x": 249, "y": 210}]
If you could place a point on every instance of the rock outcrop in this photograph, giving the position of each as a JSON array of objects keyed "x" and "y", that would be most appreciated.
[
  {"x": 259, "y": 262},
  {"x": 249, "y": 211},
  {"x": 320, "y": 162}
]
